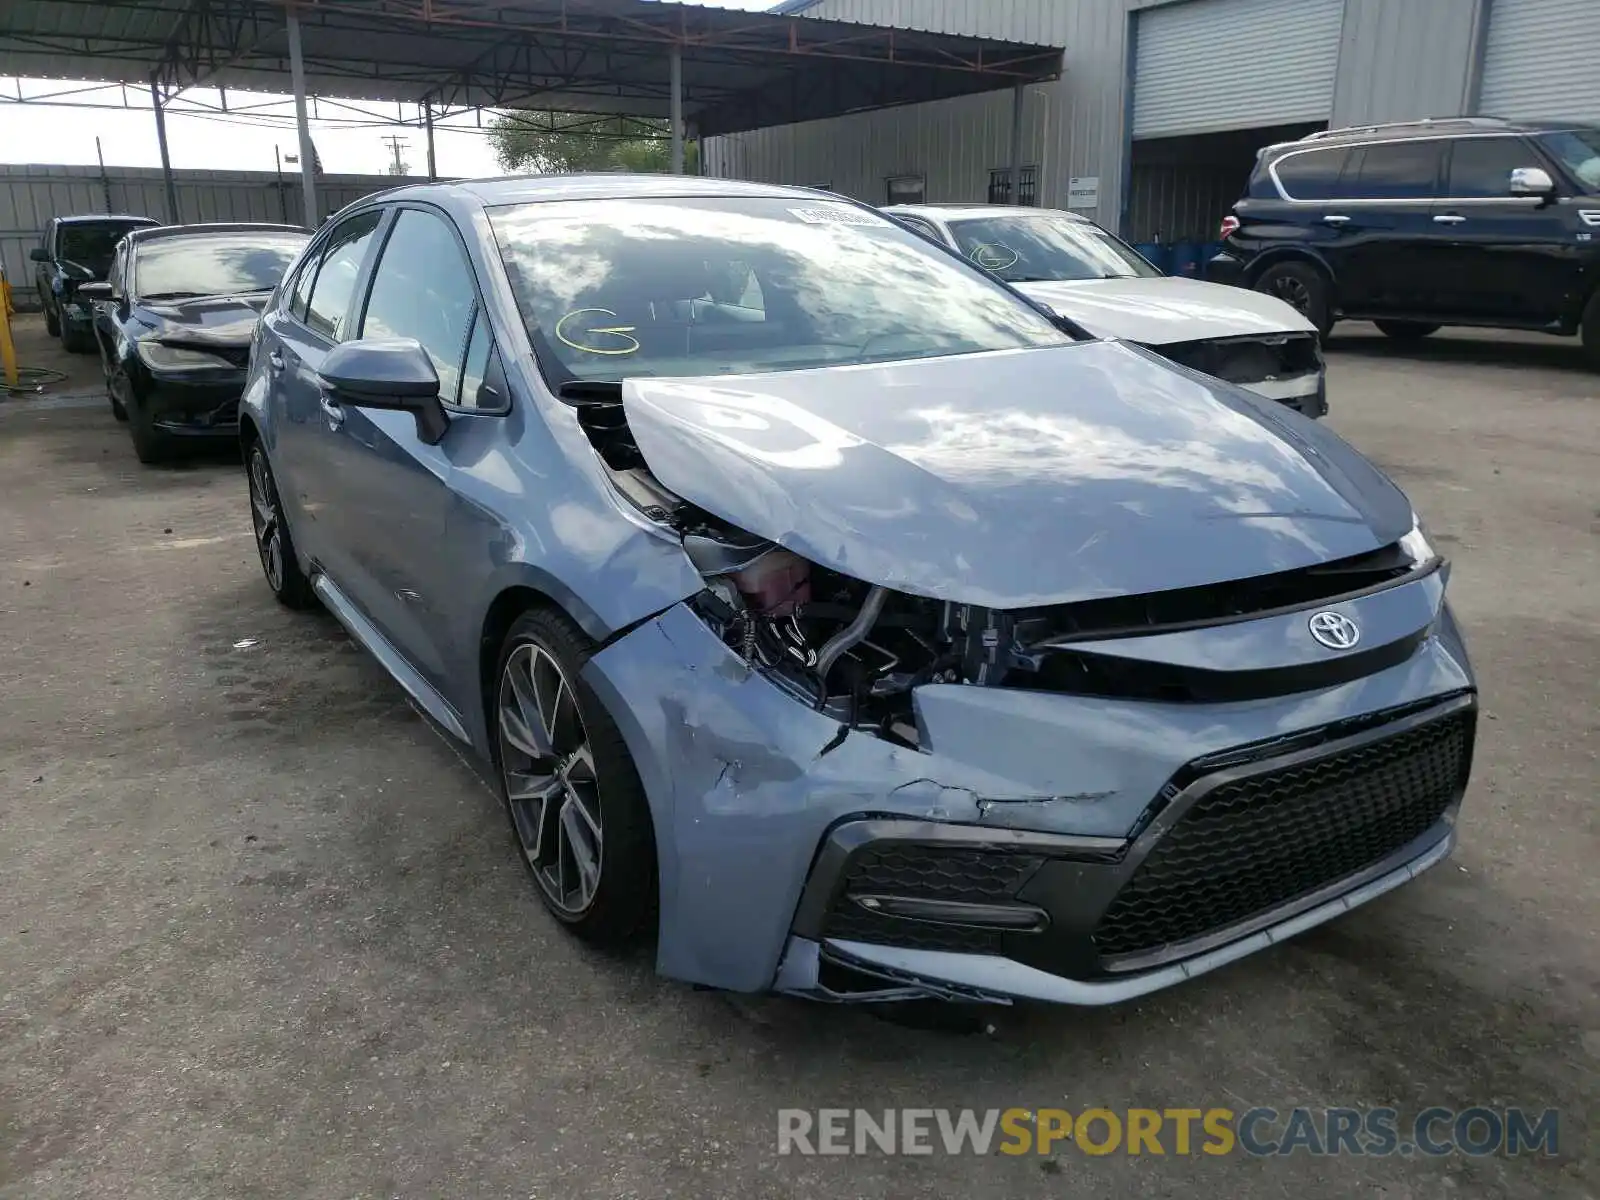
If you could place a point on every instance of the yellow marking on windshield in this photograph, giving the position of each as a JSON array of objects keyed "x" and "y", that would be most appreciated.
[{"x": 622, "y": 332}]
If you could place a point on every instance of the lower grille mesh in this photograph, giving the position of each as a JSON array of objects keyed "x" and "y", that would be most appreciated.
[{"x": 1252, "y": 845}]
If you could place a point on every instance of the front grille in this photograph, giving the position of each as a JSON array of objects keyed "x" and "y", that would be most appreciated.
[
  {"x": 1245, "y": 360},
  {"x": 929, "y": 873},
  {"x": 1255, "y": 844}
]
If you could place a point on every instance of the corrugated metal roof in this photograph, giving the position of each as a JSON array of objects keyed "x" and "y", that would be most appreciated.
[{"x": 741, "y": 70}]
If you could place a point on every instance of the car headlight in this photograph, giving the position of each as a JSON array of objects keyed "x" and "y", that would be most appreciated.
[
  {"x": 160, "y": 357},
  {"x": 1416, "y": 544}
]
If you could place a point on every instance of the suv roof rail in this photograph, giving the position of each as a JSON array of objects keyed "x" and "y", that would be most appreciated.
[{"x": 1419, "y": 123}]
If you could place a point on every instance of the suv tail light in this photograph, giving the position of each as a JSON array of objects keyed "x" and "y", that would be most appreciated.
[{"x": 1229, "y": 224}]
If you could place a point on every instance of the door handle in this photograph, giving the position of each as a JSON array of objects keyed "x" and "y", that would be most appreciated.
[
  {"x": 332, "y": 411},
  {"x": 275, "y": 360},
  {"x": 1448, "y": 219},
  {"x": 1335, "y": 219}
]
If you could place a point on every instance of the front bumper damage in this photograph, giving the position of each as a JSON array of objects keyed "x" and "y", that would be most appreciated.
[
  {"x": 760, "y": 803},
  {"x": 206, "y": 408}
]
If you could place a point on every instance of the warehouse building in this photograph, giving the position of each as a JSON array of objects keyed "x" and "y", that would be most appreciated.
[{"x": 1161, "y": 105}]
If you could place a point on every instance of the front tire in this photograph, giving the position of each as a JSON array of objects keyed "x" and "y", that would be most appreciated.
[
  {"x": 1591, "y": 330},
  {"x": 275, "y": 547},
  {"x": 52, "y": 323},
  {"x": 75, "y": 341},
  {"x": 150, "y": 444},
  {"x": 570, "y": 787},
  {"x": 1406, "y": 331},
  {"x": 1302, "y": 287}
]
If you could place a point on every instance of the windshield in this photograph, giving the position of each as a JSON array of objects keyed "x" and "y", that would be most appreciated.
[
  {"x": 1035, "y": 247},
  {"x": 1579, "y": 152},
  {"x": 615, "y": 288},
  {"x": 215, "y": 264},
  {"x": 89, "y": 244}
]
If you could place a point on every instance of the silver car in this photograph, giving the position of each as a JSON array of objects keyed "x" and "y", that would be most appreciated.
[
  {"x": 1084, "y": 273},
  {"x": 826, "y": 611}
]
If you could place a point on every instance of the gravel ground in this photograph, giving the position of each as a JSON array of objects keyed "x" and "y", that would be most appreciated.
[{"x": 263, "y": 933}]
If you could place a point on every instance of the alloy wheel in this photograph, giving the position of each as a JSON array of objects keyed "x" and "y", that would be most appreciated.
[
  {"x": 548, "y": 769},
  {"x": 1293, "y": 291},
  {"x": 264, "y": 516}
]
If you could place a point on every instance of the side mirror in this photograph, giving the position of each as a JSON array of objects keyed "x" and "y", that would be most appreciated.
[
  {"x": 97, "y": 289},
  {"x": 39, "y": 254},
  {"x": 1532, "y": 181},
  {"x": 394, "y": 374}
]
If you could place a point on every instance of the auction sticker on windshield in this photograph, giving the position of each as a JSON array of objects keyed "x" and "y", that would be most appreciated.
[{"x": 837, "y": 214}]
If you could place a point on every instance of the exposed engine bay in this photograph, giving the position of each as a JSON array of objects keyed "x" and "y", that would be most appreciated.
[{"x": 856, "y": 651}]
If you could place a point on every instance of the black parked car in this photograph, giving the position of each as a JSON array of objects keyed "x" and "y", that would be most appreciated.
[
  {"x": 174, "y": 323},
  {"x": 72, "y": 252},
  {"x": 1460, "y": 221}
]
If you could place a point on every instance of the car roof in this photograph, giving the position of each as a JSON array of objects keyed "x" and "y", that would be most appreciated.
[
  {"x": 1427, "y": 127},
  {"x": 105, "y": 218},
  {"x": 517, "y": 189},
  {"x": 157, "y": 232},
  {"x": 951, "y": 212}
]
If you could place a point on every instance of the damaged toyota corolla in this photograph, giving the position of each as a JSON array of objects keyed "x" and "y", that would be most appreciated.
[{"x": 824, "y": 609}]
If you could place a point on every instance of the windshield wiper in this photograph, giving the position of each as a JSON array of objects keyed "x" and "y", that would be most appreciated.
[{"x": 173, "y": 295}]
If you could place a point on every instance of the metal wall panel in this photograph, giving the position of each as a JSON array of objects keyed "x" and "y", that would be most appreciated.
[
  {"x": 31, "y": 195},
  {"x": 1208, "y": 65},
  {"x": 1399, "y": 61},
  {"x": 1542, "y": 59}
]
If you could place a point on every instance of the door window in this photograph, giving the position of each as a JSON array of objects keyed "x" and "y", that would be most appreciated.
[
  {"x": 423, "y": 289},
  {"x": 1398, "y": 171},
  {"x": 918, "y": 225},
  {"x": 329, "y": 299},
  {"x": 1312, "y": 175},
  {"x": 114, "y": 276},
  {"x": 1481, "y": 167}
]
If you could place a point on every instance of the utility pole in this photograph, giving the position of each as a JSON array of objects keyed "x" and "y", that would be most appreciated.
[{"x": 397, "y": 144}]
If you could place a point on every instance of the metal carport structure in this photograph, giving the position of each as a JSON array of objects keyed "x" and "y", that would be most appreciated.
[{"x": 721, "y": 70}]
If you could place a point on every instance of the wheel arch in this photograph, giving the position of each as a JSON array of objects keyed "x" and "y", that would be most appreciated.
[{"x": 1272, "y": 258}]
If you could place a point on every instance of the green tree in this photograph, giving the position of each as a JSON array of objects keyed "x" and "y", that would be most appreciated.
[{"x": 556, "y": 143}]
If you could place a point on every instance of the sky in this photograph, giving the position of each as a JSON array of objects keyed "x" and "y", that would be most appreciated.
[{"x": 209, "y": 141}]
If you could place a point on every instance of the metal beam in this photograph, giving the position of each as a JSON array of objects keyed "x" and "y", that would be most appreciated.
[
  {"x": 427, "y": 120},
  {"x": 1019, "y": 102},
  {"x": 159, "y": 105},
  {"x": 308, "y": 154},
  {"x": 677, "y": 110}
]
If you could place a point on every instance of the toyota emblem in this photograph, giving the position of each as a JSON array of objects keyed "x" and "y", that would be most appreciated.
[{"x": 1334, "y": 630}]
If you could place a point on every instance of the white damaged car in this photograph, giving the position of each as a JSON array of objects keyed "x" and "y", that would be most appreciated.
[{"x": 1088, "y": 275}]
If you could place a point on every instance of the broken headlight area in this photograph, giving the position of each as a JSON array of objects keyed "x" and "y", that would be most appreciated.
[{"x": 856, "y": 651}]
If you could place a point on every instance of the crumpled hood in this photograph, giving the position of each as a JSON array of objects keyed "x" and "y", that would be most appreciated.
[
  {"x": 1167, "y": 309},
  {"x": 206, "y": 321},
  {"x": 1017, "y": 478}
]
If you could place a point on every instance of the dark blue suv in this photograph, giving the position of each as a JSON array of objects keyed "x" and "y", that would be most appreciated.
[{"x": 1463, "y": 221}]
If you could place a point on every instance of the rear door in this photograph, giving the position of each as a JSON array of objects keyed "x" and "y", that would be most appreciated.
[
  {"x": 391, "y": 488},
  {"x": 1384, "y": 251},
  {"x": 315, "y": 316},
  {"x": 1503, "y": 257}
]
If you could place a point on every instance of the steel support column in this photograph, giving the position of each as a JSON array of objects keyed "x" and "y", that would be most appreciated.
[
  {"x": 1019, "y": 99},
  {"x": 677, "y": 110},
  {"x": 308, "y": 154},
  {"x": 427, "y": 121},
  {"x": 158, "y": 103}
]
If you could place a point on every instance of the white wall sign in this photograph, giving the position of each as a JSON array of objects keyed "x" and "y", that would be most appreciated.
[{"x": 1083, "y": 191}]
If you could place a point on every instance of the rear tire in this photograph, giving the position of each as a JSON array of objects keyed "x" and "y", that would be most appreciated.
[
  {"x": 75, "y": 341},
  {"x": 1591, "y": 331},
  {"x": 1304, "y": 288},
  {"x": 1406, "y": 331},
  {"x": 557, "y": 749}
]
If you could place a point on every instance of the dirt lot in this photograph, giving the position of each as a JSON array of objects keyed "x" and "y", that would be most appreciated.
[{"x": 262, "y": 934}]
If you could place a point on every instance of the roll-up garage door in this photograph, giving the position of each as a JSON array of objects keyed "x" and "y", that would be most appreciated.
[
  {"x": 1541, "y": 60},
  {"x": 1207, "y": 65}
]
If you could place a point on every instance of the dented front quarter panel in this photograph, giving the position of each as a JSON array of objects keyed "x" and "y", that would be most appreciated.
[{"x": 743, "y": 784}]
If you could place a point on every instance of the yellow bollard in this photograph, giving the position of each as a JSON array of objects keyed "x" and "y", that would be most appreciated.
[{"x": 8, "y": 349}]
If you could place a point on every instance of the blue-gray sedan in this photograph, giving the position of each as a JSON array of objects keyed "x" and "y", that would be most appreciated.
[{"x": 829, "y": 611}]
